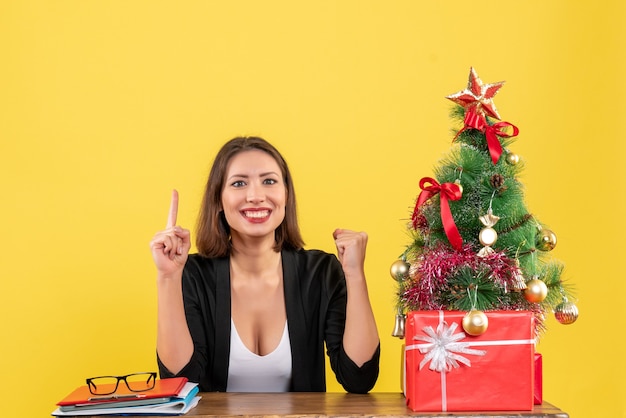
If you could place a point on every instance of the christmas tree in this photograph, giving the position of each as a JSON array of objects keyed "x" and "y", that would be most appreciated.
[{"x": 475, "y": 246}]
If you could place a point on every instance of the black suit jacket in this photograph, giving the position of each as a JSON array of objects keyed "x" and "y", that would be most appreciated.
[{"x": 315, "y": 300}]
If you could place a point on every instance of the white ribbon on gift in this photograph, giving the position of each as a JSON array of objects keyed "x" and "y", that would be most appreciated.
[{"x": 443, "y": 349}]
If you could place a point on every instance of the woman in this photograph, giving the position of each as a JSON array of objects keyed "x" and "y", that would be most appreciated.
[{"x": 252, "y": 310}]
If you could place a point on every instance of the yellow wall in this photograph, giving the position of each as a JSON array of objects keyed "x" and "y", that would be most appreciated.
[{"x": 105, "y": 106}]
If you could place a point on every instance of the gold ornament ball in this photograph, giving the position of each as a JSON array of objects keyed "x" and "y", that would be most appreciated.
[
  {"x": 487, "y": 236},
  {"x": 475, "y": 322},
  {"x": 536, "y": 291},
  {"x": 399, "y": 270},
  {"x": 546, "y": 240},
  {"x": 566, "y": 313},
  {"x": 512, "y": 159}
]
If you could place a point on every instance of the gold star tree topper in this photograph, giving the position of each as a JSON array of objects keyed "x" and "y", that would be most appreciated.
[{"x": 477, "y": 98}]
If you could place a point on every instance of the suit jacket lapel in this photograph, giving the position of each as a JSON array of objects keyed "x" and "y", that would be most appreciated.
[{"x": 222, "y": 323}]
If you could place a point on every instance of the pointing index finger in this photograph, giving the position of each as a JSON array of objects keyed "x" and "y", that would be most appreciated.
[{"x": 171, "y": 217}]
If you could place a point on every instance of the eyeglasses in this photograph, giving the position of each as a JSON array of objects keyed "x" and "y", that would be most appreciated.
[{"x": 135, "y": 382}]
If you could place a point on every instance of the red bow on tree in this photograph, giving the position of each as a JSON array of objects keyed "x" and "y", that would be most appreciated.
[
  {"x": 447, "y": 191},
  {"x": 492, "y": 132}
]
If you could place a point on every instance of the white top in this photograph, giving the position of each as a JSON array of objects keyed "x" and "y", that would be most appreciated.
[{"x": 249, "y": 372}]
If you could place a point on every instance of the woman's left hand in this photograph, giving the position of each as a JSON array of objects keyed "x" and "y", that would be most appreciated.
[
  {"x": 360, "y": 338},
  {"x": 351, "y": 247}
]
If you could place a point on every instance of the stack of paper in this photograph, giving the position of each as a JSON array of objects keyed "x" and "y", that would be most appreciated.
[{"x": 175, "y": 396}]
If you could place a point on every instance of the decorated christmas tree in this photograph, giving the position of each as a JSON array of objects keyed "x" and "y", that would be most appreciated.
[{"x": 475, "y": 246}]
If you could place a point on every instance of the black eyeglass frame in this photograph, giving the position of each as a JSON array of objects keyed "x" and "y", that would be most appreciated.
[{"x": 94, "y": 391}]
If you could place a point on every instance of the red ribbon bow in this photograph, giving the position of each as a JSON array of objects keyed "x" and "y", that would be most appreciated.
[
  {"x": 474, "y": 120},
  {"x": 492, "y": 132},
  {"x": 447, "y": 191},
  {"x": 478, "y": 121}
]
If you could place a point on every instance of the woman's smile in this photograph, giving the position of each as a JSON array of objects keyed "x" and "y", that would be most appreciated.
[
  {"x": 256, "y": 215},
  {"x": 254, "y": 195}
]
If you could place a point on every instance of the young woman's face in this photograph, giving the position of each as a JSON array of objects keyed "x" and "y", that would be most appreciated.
[{"x": 254, "y": 195}]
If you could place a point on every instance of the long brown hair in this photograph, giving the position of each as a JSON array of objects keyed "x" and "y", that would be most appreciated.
[{"x": 212, "y": 231}]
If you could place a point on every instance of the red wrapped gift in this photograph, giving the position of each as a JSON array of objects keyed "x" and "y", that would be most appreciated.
[
  {"x": 448, "y": 370},
  {"x": 538, "y": 379}
]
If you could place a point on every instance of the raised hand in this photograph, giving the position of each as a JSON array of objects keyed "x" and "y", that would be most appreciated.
[
  {"x": 351, "y": 248},
  {"x": 170, "y": 247},
  {"x": 360, "y": 338}
]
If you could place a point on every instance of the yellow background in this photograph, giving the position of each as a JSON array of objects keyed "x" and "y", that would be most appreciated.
[{"x": 105, "y": 106}]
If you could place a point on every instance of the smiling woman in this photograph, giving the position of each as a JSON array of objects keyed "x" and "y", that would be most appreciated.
[
  {"x": 253, "y": 310},
  {"x": 213, "y": 230},
  {"x": 253, "y": 198}
]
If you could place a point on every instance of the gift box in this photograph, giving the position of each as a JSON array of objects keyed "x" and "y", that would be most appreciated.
[
  {"x": 449, "y": 370},
  {"x": 538, "y": 379}
]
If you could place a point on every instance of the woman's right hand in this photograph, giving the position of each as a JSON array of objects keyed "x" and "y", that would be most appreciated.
[{"x": 170, "y": 247}]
